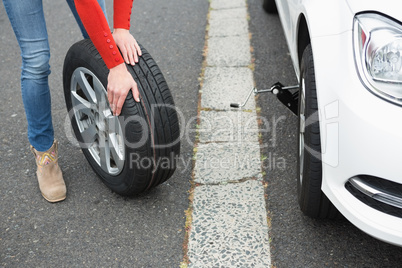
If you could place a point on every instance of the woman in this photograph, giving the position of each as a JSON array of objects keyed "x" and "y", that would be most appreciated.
[{"x": 28, "y": 22}]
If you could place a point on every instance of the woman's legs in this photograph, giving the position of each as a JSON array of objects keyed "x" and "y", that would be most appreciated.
[{"x": 28, "y": 22}]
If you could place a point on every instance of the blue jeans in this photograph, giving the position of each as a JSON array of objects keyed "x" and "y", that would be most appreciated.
[{"x": 28, "y": 22}]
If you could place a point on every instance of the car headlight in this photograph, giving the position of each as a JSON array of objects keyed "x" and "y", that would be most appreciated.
[{"x": 378, "y": 54}]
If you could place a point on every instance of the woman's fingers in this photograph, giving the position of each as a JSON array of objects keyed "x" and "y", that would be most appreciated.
[{"x": 131, "y": 52}]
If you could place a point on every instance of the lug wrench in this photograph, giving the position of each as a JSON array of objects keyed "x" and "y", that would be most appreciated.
[{"x": 281, "y": 92}]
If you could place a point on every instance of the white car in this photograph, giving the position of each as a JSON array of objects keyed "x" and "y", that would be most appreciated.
[{"x": 347, "y": 55}]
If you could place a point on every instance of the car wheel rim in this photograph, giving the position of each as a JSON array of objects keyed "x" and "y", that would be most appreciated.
[
  {"x": 100, "y": 131},
  {"x": 302, "y": 126}
]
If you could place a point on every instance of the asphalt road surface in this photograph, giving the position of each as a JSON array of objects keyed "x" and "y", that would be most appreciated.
[
  {"x": 296, "y": 240},
  {"x": 94, "y": 227}
]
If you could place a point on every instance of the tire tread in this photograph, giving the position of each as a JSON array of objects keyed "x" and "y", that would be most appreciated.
[{"x": 313, "y": 202}]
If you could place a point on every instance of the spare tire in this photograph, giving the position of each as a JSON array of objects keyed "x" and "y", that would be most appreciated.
[{"x": 137, "y": 150}]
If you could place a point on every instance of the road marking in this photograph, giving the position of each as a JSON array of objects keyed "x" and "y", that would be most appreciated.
[{"x": 227, "y": 219}]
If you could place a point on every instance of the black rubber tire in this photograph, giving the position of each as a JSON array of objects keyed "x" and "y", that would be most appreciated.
[
  {"x": 269, "y": 6},
  {"x": 312, "y": 201},
  {"x": 155, "y": 138}
]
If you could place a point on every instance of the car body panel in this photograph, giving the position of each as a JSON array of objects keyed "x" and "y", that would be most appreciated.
[
  {"x": 390, "y": 8},
  {"x": 361, "y": 134},
  {"x": 318, "y": 11}
]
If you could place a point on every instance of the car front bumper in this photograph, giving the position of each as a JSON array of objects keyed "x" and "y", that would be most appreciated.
[{"x": 361, "y": 134}]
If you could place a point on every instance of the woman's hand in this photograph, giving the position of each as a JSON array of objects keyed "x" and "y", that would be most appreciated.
[
  {"x": 120, "y": 82},
  {"x": 128, "y": 46}
]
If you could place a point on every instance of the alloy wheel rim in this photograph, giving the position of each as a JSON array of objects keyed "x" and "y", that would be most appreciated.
[
  {"x": 302, "y": 126},
  {"x": 101, "y": 132}
]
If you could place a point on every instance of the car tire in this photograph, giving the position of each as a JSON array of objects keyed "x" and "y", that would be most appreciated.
[
  {"x": 136, "y": 150},
  {"x": 269, "y": 6},
  {"x": 312, "y": 200}
]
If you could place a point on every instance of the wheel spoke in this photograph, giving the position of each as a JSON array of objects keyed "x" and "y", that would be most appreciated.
[
  {"x": 85, "y": 86},
  {"x": 302, "y": 127},
  {"x": 100, "y": 93},
  {"x": 113, "y": 124},
  {"x": 301, "y": 158},
  {"x": 117, "y": 148},
  {"x": 104, "y": 154},
  {"x": 80, "y": 104},
  {"x": 115, "y": 151},
  {"x": 302, "y": 124},
  {"x": 89, "y": 134}
]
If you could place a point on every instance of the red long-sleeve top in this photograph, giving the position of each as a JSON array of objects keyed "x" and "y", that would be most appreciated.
[{"x": 98, "y": 29}]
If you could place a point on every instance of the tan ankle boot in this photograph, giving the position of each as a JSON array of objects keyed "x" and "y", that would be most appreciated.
[{"x": 50, "y": 178}]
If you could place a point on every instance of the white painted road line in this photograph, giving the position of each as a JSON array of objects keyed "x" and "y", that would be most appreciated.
[{"x": 229, "y": 218}]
